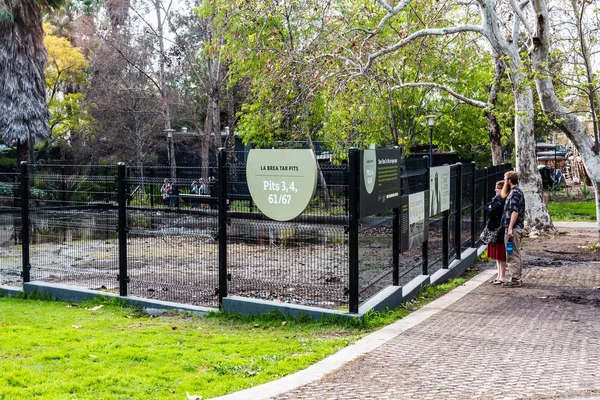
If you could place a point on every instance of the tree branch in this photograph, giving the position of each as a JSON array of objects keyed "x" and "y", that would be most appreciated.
[
  {"x": 419, "y": 34},
  {"x": 518, "y": 9},
  {"x": 464, "y": 99}
]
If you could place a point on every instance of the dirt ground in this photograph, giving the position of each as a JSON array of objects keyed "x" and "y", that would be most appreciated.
[{"x": 568, "y": 244}]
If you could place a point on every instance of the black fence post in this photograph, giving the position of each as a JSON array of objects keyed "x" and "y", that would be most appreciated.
[
  {"x": 353, "y": 198},
  {"x": 122, "y": 228},
  {"x": 63, "y": 178},
  {"x": 25, "y": 221},
  {"x": 396, "y": 243},
  {"x": 106, "y": 185},
  {"x": 458, "y": 217},
  {"x": 425, "y": 246},
  {"x": 473, "y": 204},
  {"x": 223, "y": 277},
  {"x": 445, "y": 238},
  {"x": 396, "y": 248},
  {"x": 127, "y": 188},
  {"x": 152, "y": 175}
]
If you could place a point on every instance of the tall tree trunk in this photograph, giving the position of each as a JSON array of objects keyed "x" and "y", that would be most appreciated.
[
  {"x": 495, "y": 133},
  {"x": 536, "y": 211},
  {"x": 321, "y": 180},
  {"x": 163, "y": 89},
  {"x": 552, "y": 106},
  {"x": 589, "y": 72},
  {"x": 23, "y": 111},
  {"x": 205, "y": 140},
  {"x": 230, "y": 138}
]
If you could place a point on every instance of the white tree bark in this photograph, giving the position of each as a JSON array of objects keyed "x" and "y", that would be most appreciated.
[
  {"x": 554, "y": 108},
  {"x": 536, "y": 211}
]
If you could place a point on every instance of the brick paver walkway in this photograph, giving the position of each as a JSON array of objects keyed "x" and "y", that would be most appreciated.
[{"x": 539, "y": 341}]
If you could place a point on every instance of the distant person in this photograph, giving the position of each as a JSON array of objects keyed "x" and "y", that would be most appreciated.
[
  {"x": 497, "y": 250},
  {"x": 513, "y": 220},
  {"x": 194, "y": 188},
  {"x": 165, "y": 192},
  {"x": 202, "y": 189}
]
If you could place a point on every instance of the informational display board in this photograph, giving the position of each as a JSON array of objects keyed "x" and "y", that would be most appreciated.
[
  {"x": 281, "y": 182},
  {"x": 414, "y": 220},
  {"x": 380, "y": 180},
  {"x": 439, "y": 189}
]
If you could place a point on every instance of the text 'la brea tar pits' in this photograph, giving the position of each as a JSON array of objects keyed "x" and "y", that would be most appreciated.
[{"x": 293, "y": 168}]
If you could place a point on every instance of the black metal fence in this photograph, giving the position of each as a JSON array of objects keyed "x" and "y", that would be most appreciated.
[{"x": 110, "y": 228}]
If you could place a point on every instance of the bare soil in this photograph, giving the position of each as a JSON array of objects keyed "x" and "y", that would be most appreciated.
[{"x": 568, "y": 244}]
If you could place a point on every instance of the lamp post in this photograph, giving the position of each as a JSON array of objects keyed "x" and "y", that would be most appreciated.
[
  {"x": 170, "y": 156},
  {"x": 430, "y": 122}
]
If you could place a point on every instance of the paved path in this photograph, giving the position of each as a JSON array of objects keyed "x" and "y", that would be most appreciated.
[{"x": 541, "y": 341}]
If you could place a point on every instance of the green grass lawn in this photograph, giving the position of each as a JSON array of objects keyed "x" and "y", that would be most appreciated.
[
  {"x": 576, "y": 211},
  {"x": 54, "y": 350}
]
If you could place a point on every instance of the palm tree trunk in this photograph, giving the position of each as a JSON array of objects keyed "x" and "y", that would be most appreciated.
[{"x": 23, "y": 110}]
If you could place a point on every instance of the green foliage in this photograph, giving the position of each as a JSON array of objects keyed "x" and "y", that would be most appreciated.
[
  {"x": 586, "y": 192},
  {"x": 5, "y": 14},
  {"x": 575, "y": 211},
  {"x": 6, "y": 189},
  {"x": 66, "y": 67},
  {"x": 8, "y": 164}
]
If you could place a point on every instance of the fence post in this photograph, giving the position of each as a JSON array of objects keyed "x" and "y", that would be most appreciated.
[
  {"x": 473, "y": 205},
  {"x": 353, "y": 198},
  {"x": 425, "y": 246},
  {"x": 223, "y": 277},
  {"x": 25, "y": 221},
  {"x": 458, "y": 217},
  {"x": 396, "y": 242},
  {"x": 445, "y": 238},
  {"x": 122, "y": 228},
  {"x": 63, "y": 178}
]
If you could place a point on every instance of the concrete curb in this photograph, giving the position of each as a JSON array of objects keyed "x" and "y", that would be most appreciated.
[{"x": 363, "y": 346}]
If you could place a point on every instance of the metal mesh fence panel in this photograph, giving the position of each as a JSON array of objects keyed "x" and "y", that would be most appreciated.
[
  {"x": 303, "y": 261},
  {"x": 375, "y": 252},
  {"x": 10, "y": 229},
  {"x": 73, "y": 225},
  {"x": 468, "y": 190},
  {"x": 453, "y": 220},
  {"x": 172, "y": 248}
]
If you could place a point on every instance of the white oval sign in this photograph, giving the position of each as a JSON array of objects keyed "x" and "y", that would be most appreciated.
[
  {"x": 281, "y": 182},
  {"x": 369, "y": 169}
]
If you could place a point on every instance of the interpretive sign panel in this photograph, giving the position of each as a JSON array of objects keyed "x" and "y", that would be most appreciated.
[
  {"x": 281, "y": 182},
  {"x": 380, "y": 183},
  {"x": 439, "y": 189},
  {"x": 414, "y": 220}
]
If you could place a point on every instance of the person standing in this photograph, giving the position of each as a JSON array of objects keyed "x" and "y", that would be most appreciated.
[
  {"x": 513, "y": 220},
  {"x": 165, "y": 192},
  {"x": 496, "y": 250}
]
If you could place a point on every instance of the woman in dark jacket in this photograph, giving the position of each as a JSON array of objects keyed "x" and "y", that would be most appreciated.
[{"x": 497, "y": 251}]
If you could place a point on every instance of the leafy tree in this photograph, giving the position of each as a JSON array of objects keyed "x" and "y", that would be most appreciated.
[{"x": 66, "y": 70}]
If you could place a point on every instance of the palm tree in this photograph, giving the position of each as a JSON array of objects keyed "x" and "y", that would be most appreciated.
[{"x": 23, "y": 111}]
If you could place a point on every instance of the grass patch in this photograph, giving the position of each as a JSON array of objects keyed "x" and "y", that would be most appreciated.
[
  {"x": 577, "y": 211},
  {"x": 103, "y": 350}
]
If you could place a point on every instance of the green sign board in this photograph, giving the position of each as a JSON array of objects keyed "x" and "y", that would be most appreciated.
[
  {"x": 380, "y": 180},
  {"x": 281, "y": 182}
]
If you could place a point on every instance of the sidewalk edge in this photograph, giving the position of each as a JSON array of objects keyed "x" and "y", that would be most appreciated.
[{"x": 361, "y": 347}]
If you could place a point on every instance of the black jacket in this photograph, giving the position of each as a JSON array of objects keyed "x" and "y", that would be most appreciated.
[{"x": 494, "y": 216}]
